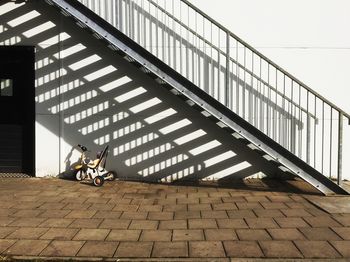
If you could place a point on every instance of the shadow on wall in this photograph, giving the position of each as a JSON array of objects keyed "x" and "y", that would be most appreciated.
[{"x": 87, "y": 94}]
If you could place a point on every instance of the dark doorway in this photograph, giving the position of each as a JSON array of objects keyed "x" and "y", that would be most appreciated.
[{"x": 17, "y": 105}]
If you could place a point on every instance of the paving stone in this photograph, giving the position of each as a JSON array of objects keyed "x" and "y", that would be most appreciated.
[
  {"x": 54, "y": 213},
  {"x": 241, "y": 249},
  {"x": 219, "y": 194},
  {"x": 97, "y": 200},
  {"x": 343, "y": 232},
  {"x": 280, "y": 249},
  {"x": 115, "y": 223},
  {"x": 233, "y": 199},
  {"x": 285, "y": 234},
  {"x": 77, "y": 206},
  {"x": 214, "y": 214},
  {"x": 199, "y": 207},
  {"x": 160, "y": 215},
  {"x": 50, "y": 206},
  {"x": 26, "y": 222},
  {"x": 261, "y": 223},
  {"x": 74, "y": 199},
  {"x": 280, "y": 198},
  {"x": 211, "y": 200},
  {"x": 291, "y": 222},
  {"x": 268, "y": 213},
  {"x": 27, "y": 213},
  {"x": 245, "y": 213},
  {"x": 102, "y": 207},
  {"x": 28, "y": 247},
  {"x": 81, "y": 214},
  {"x": 316, "y": 211},
  {"x": 134, "y": 249},
  {"x": 5, "y": 244},
  {"x": 151, "y": 208},
  {"x": 316, "y": 249},
  {"x": 166, "y": 201},
  {"x": 322, "y": 221},
  {"x": 344, "y": 220},
  {"x": 296, "y": 212},
  {"x": 343, "y": 247},
  {"x": 28, "y": 233},
  {"x": 134, "y": 215},
  {"x": 188, "y": 201},
  {"x": 171, "y": 208},
  {"x": 56, "y": 222},
  {"x": 86, "y": 223},
  {"x": 201, "y": 223},
  {"x": 156, "y": 235},
  {"x": 206, "y": 249},
  {"x": 186, "y": 214},
  {"x": 252, "y": 234},
  {"x": 322, "y": 233},
  {"x": 58, "y": 248},
  {"x": 143, "y": 224},
  {"x": 170, "y": 249},
  {"x": 257, "y": 199},
  {"x": 187, "y": 235},
  {"x": 5, "y": 231},
  {"x": 250, "y": 205},
  {"x": 6, "y": 212},
  {"x": 123, "y": 235},
  {"x": 98, "y": 249},
  {"x": 107, "y": 214},
  {"x": 231, "y": 223},
  {"x": 91, "y": 234},
  {"x": 173, "y": 224},
  {"x": 60, "y": 233},
  {"x": 220, "y": 234},
  {"x": 273, "y": 205}
]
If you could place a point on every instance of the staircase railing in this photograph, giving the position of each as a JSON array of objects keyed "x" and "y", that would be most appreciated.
[{"x": 235, "y": 74}]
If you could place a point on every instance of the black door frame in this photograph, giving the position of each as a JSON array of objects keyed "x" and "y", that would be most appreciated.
[{"x": 18, "y": 63}]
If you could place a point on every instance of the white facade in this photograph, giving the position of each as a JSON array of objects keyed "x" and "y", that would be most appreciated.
[{"x": 87, "y": 94}]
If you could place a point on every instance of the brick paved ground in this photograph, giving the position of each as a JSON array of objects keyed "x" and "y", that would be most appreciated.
[{"x": 256, "y": 219}]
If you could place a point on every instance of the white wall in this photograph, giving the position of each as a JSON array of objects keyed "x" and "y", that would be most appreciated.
[
  {"x": 85, "y": 93},
  {"x": 310, "y": 39}
]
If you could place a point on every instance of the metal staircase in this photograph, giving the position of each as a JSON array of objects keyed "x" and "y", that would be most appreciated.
[{"x": 200, "y": 60}]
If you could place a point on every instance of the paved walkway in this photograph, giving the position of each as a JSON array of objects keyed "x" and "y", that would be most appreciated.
[{"x": 256, "y": 219}]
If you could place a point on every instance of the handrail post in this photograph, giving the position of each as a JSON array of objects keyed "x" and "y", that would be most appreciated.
[
  {"x": 227, "y": 77},
  {"x": 340, "y": 148}
]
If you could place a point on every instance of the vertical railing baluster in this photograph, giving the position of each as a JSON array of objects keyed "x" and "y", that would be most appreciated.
[
  {"x": 219, "y": 67},
  {"x": 340, "y": 148},
  {"x": 150, "y": 28},
  {"x": 250, "y": 96},
  {"x": 237, "y": 78},
  {"x": 315, "y": 134},
  {"x": 330, "y": 144},
  {"x": 268, "y": 120},
  {"x": 157, "y": 26},
  {"x": 293, "y": 123},
  {"x": 300, "y": 129},
  {"x": 244, "y": 87},
  {"x": 308, "y": 131},
  {"x": 275, "y": 110},
  {"x": 261, "y": 122},
  {"x": 227, "y": 78},
  {"x": 322, "y": 151}
]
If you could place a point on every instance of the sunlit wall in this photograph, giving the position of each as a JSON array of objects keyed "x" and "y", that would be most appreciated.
[{"x": 87, "y": 94}]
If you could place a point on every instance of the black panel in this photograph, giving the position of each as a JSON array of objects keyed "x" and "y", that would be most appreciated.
[{"x": 17, "y": 121}]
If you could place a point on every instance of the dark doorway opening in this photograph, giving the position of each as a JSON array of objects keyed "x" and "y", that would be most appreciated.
[{"x": 17, "y": 105}]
